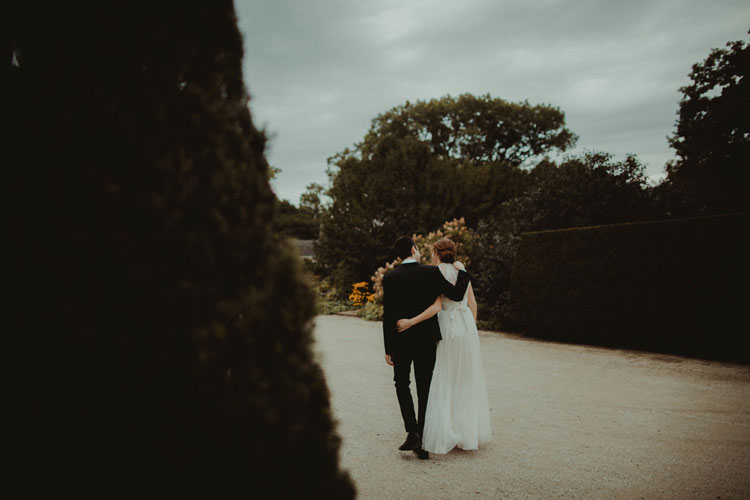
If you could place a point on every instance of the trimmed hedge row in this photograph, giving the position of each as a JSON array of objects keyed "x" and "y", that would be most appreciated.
[{"x": 670, "y": 286}]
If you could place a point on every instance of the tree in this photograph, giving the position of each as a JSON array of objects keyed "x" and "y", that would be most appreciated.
[
  {"x": 422, "y": 164},
  {"x": 712, "y": 137},
  {"x": 294, "y": 222},
  {"x": 310, "y": 199},
  {"x": 475, "y": 129},
  {"x": 163, "y": 331},
  {"x": 301, "y": 222},
  {"x": 588, "y": 190}
]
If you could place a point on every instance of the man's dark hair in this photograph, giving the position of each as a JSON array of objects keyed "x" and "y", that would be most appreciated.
[{"x": 403, "y": 247}]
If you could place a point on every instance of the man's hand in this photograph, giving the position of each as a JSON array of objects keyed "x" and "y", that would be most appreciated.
[
  {"x": 459, "y": 265},
  {"x": 389, "y": 359}
]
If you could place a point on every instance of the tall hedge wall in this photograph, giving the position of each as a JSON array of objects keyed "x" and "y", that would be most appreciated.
[
  {"x": 675, "y": 286},
  {"x": 161, "y": 332}
]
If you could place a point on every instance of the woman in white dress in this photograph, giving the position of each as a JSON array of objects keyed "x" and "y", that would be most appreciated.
[{"x": 457, "y": 407}]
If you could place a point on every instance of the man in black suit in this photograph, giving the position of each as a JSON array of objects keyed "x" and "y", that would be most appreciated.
[{"x": 407, "y": 291}]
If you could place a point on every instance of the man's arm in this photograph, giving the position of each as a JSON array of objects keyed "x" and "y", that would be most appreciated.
[{"x": 455, "y": 293}]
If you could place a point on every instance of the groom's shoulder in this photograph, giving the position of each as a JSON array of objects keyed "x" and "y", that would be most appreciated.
[
  {"x": 425, "y": 269},
  {"x": 393, "y": 273},
  {"x": 403, "y": 270},
  {"x": 412, "y": 269}
]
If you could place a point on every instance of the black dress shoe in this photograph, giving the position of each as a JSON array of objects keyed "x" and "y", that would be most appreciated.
[
  {"x": 421, "y": 452},
  {"x": 412, "y": 440}
]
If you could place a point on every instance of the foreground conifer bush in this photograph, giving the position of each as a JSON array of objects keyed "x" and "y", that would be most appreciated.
[{"x": 164, "y": 330}]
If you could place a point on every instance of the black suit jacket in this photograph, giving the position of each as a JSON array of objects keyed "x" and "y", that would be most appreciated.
[{"x": 407, "y": 291}]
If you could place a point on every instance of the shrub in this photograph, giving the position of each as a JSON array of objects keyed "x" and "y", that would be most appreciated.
[
  {"x": 585, "y": 190},
  {"x": 372, "y": 311},
  {"x": 328, "y": 299},
  {"x": 455, "y": 230},
  {"x": 497, "y": 243},
  {"x": 165, "y": 331},
  {"x": 359, "y": 294},
  {"x": 667, "y": 286}
]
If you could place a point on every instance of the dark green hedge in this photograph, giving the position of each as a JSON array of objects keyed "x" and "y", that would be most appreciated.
[
  {"x": 158, "y": 330},
  {"x": 674, "y": 286}
]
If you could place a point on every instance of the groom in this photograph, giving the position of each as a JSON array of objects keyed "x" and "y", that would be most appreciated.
[{"x": 407, "y": 291}]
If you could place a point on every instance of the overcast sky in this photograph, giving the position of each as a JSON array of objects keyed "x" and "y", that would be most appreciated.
[{"x": 318, "y": 71}]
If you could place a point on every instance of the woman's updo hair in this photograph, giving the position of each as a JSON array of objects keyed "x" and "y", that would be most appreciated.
[{"x": 446, "y": 250}]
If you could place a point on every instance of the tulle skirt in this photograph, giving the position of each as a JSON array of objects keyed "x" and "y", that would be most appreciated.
[{"x": 457, "y": 407}]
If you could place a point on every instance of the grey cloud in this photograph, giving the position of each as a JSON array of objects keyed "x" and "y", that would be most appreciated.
[{"x": 319, "y": 71}]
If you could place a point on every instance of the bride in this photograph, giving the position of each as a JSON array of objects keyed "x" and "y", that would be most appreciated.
[{"x": 457, "y": 407}]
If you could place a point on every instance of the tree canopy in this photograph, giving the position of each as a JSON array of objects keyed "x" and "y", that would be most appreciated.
[
  {"x": 475, "y": 129},
  {"x": 424, "y": 163},
  {"x": 296, "y": 222},
  {"x": 712, "y": 136},
  {"x": 301, "y": 222}
]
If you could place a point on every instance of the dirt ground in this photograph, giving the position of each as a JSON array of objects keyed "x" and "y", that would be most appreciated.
[{"x": 568, "y": 421}]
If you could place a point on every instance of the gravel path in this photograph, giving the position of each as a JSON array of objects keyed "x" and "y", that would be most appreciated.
[{"x": 568, "y": 421}]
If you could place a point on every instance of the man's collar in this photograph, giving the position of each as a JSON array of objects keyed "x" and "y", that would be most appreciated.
[{"x": 409, "y": 261}]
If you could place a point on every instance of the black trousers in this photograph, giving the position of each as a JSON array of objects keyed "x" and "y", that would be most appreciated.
[{"x": 423, "y": 357}]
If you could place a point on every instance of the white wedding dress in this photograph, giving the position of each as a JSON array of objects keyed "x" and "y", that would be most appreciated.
[{"x": 458, "y": 411}]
